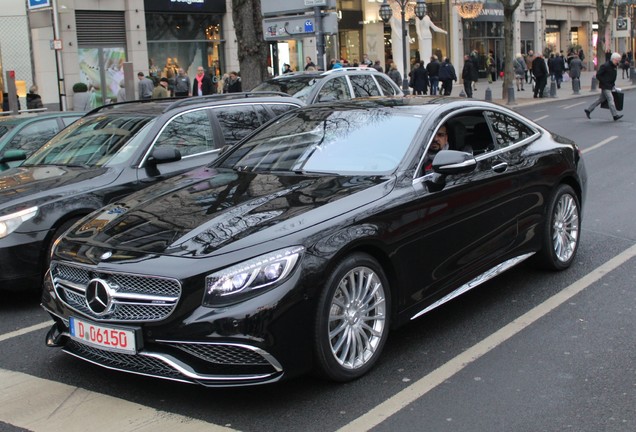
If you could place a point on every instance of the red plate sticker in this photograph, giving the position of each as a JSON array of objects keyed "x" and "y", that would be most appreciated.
[{"x": 104, "y": 337}]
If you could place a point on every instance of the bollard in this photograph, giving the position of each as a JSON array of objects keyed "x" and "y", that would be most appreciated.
[
  {"x": 632, "y": 75},
  {"x": 553, "y": 89},
  {"x": 594, "y": 83},
  {"x": 576, "y": 86},
  {"x": 488, "y": 94},
  {"x": 511, "y": 96},
  {"x": 462, "y": 93}
]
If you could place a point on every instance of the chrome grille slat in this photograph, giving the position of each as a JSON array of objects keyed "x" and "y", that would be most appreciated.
[{"x": 135, "y": 298}]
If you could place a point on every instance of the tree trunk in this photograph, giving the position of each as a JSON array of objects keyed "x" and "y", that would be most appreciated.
[
  {"x": 509, "y": 7},
  {"x": 252, "y": 48},
  {"x": 603, "y": 17}
]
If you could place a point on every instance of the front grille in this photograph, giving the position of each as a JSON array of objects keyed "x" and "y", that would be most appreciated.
[
  {"x": 134, "y": 298},
  {"x": 223, "y": 354},
  {"x": 129, "y": 362}
]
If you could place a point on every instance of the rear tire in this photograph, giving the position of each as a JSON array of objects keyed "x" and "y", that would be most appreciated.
[
  {"x": 562, "y": 230},
  {"x": 353, "y": 318}
]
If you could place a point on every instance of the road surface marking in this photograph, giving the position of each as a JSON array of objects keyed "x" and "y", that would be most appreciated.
[
  {"x": 424, "y": 385},
  {"x": 541, "y": 118},
  {"x": 25, "y": 330},
  {"x": 573, "y": 105},
  {"x": 601, "y": 144},
  {"x": 42, "y": 405}
]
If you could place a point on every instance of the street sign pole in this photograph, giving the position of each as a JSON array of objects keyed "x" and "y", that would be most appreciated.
[{"x": 320, "y": 39}]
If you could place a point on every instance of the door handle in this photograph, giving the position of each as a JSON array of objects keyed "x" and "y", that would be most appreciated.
[{"x": 500, "y": 167}]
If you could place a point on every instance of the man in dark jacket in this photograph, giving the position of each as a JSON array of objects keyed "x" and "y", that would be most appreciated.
[
  {"x": 558, "y": 68},
  {"x": 469, "y": 74},
  {"x": 540, "y": 72},
  {"x": 606, "y": 77},
  {"x": 419, "y": 79},
  {"x": 447, "y": 75},
  {"x": 433, "y": 74}
]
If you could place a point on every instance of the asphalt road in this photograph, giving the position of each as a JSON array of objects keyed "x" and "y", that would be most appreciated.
[{"x": 528, "y": 351}]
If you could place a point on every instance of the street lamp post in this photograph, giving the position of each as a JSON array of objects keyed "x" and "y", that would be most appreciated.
[{"x": 386, "y": 13}]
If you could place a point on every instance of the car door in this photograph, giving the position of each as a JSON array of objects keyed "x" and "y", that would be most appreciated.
[{"x": 460, "y": 224}]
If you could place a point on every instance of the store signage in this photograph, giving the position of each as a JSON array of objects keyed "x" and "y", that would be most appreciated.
[
  {"x": 277, "y": 7},
  {"x": 37, "y": 4},
  {"x": 297, "y": 26},
  {"x": 209, "y": 6}
]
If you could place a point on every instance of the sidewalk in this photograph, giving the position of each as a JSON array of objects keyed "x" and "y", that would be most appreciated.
[{"x": 523, "y": 98}]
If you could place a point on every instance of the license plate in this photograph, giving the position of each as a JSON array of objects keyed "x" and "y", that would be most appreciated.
[{"x": 104, "y": 337}]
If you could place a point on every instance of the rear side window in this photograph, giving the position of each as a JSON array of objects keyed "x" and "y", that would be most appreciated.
[
  {"x": 237, "y": 122},
  {"x": 386, "y": 86},
  {"x": 33, "y": 136},
  {"x": 334, "y": 89},
  {"x": 190, "y": 133},
  {"x": 364, "y": 86},
  {"x": 279, "y": 109},
  {"x": 507, "y": 130}
]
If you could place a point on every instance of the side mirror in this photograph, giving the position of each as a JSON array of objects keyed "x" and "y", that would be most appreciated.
[
  {"x": 453, "y": 162},
  {"x": 12, "y": 156},
  {"x": 164, "y": 155}
]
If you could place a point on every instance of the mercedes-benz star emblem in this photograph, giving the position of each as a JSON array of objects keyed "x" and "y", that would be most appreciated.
[{"x": 98, "y": 298}]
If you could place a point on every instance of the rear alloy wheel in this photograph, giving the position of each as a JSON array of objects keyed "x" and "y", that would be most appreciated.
[
  {"x": 562, "y": 234},
  {"x": 353, "y": 318}
]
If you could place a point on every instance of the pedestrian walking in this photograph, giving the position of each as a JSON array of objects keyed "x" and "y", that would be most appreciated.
[
  {"x": 558, "y": 68},
  {"x": 202, "y": 84},
  {"x": 182, "y": 85},
  {"x": 145, "y": 86},
  {"x": 121, "y": 93},
  {"x": 540, "y": 73},
  {"x": 625, "y": 64},
  {"x": 433, "y": 74},
  {"x": 529, "y": 60},
  {"x": 606, "y": 77},
  {"x": 447, "y": 75},
  {"x": 395, "y": 75},
  {"x": 234, "y": 83},
  {"x": 33, "y": 99},
  {"x": 491, "y": 68},
  {"x": 576, "y": 66},
  {"x": 519, "y": 66},
  {"x": 469, "y": 74},
  {"x": 161, "y": 89},
  {"x": 419, "y": 79}
]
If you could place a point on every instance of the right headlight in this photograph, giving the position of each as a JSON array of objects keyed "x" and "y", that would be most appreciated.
[
  {"x": 251, "y": 275},
  {"x": 10, "y": 223}
]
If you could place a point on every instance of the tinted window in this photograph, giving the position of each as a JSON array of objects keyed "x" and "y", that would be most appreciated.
[
  {"x": 92, "y": 142},
  {"x": 237, "y": 122},
  {"x": 386, "y": 86},
  {"x": 33, "y": 136},
  {"x": 279, "y": 109},
  {"x": 507, "y": 130},
  {"x": 328, "y": 141},
  {"x": 190, "y": 133},
  {"x": 334, "y": 89},
  {"x": 364, "y": 86},
  {"x": 297, "y": 86}
]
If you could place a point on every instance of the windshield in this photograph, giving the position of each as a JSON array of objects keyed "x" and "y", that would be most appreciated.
[
  {"x": 297, "y": 86},
  {"x": 91, "y": 142},
  {"x": 349, "y": 141}
]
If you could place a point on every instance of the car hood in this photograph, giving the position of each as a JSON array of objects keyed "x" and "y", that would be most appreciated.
[
  {"x": 210, "y": 211},
  {"x": 33, "y": 185}
]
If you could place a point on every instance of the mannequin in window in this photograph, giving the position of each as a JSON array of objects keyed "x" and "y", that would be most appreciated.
[{"x": 425, "y": 37}]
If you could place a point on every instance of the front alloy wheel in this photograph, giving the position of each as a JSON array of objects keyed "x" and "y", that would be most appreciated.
[{"x": 353, "y": 319}]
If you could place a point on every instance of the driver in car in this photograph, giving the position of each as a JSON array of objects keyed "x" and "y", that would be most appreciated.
[{"x": 440, "y": 142}]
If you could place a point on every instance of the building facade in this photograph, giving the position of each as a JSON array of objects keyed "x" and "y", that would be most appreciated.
[{"x": 88, "y": 41}]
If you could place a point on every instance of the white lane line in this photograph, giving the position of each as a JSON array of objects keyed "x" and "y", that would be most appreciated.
[
  {"x": 25, "y": 330},
  {"x": 42, "y": 405},
  {"x": 541, "y": 118},
  {"x": 424, "y": 385},
  {"x": 573, "y": 105},
  {"x": 601, "y": 144}
]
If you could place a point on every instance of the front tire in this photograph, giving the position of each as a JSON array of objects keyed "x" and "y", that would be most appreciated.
[
  {"x": 561, "y": 235},
  {"x": 353, "y": 317}
]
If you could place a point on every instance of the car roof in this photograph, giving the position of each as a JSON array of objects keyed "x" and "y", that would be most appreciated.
[
  {"x": 322, "y": 74},
  {"x": 27, "y": 117},
  {"x": 156, "y": 107}
]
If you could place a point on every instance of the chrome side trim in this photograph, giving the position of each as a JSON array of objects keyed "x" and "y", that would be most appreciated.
[{"x": 486, "y": 276}]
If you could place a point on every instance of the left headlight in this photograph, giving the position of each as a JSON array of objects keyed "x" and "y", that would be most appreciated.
[
  {"x": 254, "y": 274},
  {"x": 10, "y": 223}
]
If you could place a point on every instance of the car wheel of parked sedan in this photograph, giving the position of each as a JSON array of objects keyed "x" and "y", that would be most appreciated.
[
  {"x": 562, "y": 231},
  {"x": 353, "y": 316}
]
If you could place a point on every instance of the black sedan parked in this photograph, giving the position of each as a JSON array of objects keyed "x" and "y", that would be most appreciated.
[
  {"x": 305, "y": 244},
  {"x": 112, "y": 152}
]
